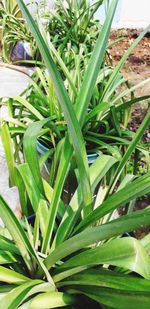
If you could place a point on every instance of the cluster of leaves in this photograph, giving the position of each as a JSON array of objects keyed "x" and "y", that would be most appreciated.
[
  {"x": 105, "y": 125},
  {"x": 11, "y": 37},
  {"x": 73, "y": 31},
  {"x": 14, "y": 30},
  {"x": 73, "y": 254},
  {"x": 72, "y": 28},
  {"x": 9, "y": 7}
]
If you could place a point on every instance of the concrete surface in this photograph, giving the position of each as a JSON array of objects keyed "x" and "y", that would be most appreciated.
[{"x": 12, "y": 83}]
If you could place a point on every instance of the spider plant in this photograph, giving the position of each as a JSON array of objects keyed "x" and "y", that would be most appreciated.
[
  {"x": 6, "y": 8},
  {"x": 16, "y": 30},
  {"x": 74, "y": 254},
  {"x": 86, "y": 262},
  {"x": 104, "y": 127},
  {"x": 10, "y": 7},
  {"x": 81, "y": 15},
  {"x": 105, "y": 123},
  {"x": 73, "y": 30}
]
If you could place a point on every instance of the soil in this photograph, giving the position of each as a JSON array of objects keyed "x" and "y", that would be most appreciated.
[
  {"x": 136, "y": 70},
  {"x": 141, "y": 204},
  {"x": 137, "y": 67}
]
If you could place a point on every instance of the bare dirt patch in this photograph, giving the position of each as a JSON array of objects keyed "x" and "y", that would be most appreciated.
[
  {"x": 136, "y": 70},
  {"x": 137, "y": 67}
]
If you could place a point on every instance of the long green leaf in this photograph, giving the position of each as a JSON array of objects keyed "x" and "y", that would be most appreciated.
[
  {"x": 15, "y": 297},
  {"x": 18, "y": 234},
  {"x": 97, "y": 171},
  {"x": 44, "y": 287},
  {"x": 127, "y": 253},
  {"x": 8, "y": 148},
  {"x": 50, "y": 300},
  {"x": 112, "y": 285},
  {"x": 30, "y": 150},
  {"x": 8, "y": 245},
  {"x": 30, "y": 185},
  {"x": 128, "y": 91},
  {"x": 22, "y": 192},
  {"x": 55, "y": 202},
  {"x": 49, "y": 195},
  {"x": 93, "y": 235},
  {"x": 108, "y": 279},
  {"x": 131, "y": 148},
  {"x": 95, "y": 63},
  {"x": 29, "y": 106},
  {"x": 116, "y": 299},
  {"x": 70, "y": 116},
  {"x": 131, "y": 191},
  {"x": 11, "y": 277}
]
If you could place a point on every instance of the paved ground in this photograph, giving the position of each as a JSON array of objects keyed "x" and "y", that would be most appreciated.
[{"x": 12, "y": 83}]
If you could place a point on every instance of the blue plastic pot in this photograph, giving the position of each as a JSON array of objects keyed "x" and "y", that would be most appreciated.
[
  {"x": 41, "y": 149},
  {"x": 92, "y": 157}
]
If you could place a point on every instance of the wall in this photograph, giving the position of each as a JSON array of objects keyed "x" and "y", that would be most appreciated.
[
  {"x": 135, "y": 13},
  {"x": 33, "y": 5},
  {"x": 129, "y": 14}
]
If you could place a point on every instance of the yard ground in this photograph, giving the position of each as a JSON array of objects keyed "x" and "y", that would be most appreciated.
[
  {"x": 137, "y": 67},
  {"x": 136, "y": 70}
]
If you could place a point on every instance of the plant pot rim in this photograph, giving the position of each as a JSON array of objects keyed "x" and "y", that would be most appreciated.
[{"x": 41, "y": 149}]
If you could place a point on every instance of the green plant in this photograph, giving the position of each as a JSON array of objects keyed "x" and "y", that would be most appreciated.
[
  {"x": 75, "y": 266},
  {"x": 108, "y": 114},
  {"x": 15, "y": 30},
  {"x": 73, "y": 30},
  {"x": 9, "y": 7},
  {"x": 80, "y": 23},
  {"x": 42, "y": 263},
  {"x": 105, "y": 124},
  {"x": 48, "y": 277}
]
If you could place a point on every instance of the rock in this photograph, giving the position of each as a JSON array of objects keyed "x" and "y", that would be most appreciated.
[{"x": 21, "y": 51}]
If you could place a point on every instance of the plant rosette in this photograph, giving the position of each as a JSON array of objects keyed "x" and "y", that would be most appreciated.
[{"x": 74, "y": 256}]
